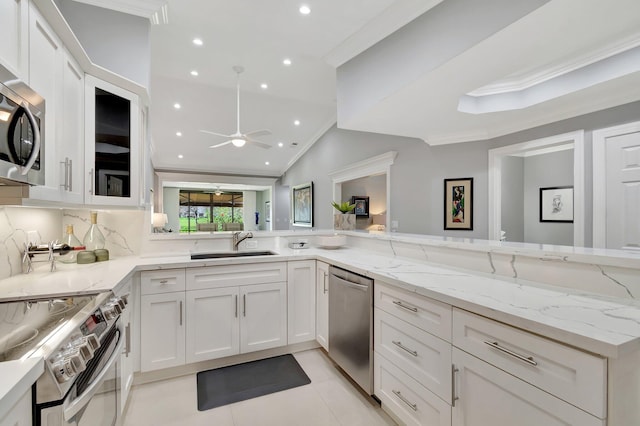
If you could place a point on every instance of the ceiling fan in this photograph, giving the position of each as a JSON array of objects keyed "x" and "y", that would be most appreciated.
[{"x": 238, "y": 139}]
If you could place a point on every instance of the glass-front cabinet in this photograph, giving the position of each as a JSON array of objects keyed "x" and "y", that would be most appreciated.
[{"x": 113, "y": 132}]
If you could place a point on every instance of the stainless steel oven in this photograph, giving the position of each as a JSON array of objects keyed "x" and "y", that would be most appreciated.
[
  {"x": 81, "y": 340},
  {"x": 22, "y": 113}
]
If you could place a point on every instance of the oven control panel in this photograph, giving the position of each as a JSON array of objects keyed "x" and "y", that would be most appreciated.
[{"x": 79, "y": 348}]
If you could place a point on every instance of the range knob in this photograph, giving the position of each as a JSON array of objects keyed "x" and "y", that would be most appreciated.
[
  {"x": 76, "y": 358},
  {"x": 111, "y": 311},
  {"x": 86, "y": 345},
  {"x": 63, "y": 370}
]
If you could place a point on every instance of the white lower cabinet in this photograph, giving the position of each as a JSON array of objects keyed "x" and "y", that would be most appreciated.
[
  {"x": 263, "y": 323},
  {"x": 486, "y": 395},
  {"x": 127, "y": 358},
  {"x": 20, "y": 413},
  {"x": 213, "y": 324},
  {"x": 406, "y": 399},
  {"x": 301, "y": 301},
  {"x": 322, "y": 304},
  {"x": 162, "y": 331}
]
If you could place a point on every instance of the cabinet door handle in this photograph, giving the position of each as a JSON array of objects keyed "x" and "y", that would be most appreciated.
[
  {"x": 454, "y": 398},
  {"x": 403, "y": 306},
  {"x": 127, "y": 350},
  {"x": 244, "y": 305},
  {"x": 236, "y": 303},
  {"x": 70, "y": 186},
  {"x": 404, "y": 348},
  {"x": 528, "y": 359},
  {"x": 91, "y": 182},
  {"x": 65, "y": 185},
  {"x": 414, "y": 407},
  {"x": 181, "y": 312},
  {"x": 324, "y": 283},
  {"x": 164, "y": 281}
]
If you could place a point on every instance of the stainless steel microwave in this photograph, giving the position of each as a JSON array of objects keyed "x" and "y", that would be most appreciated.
[{"x": 21, "y": 131}]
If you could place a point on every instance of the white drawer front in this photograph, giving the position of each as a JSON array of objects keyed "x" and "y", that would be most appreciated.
[
  {"x": 234, "y": 275},
  {"x": 163, "y": 281},
  {"x": 430, "y": 315},
  {"x": 407, "y": 399},
  {"x": 570, "y": 374},
  {"x": 421, "y": 355}
]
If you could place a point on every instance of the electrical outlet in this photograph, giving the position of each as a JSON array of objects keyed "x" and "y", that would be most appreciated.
[
  {"x": 394, "y": 225},
  {"x": 251, "y": 244}
]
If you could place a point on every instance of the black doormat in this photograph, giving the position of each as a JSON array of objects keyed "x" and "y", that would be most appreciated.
[{"x": 227, "y": 385}]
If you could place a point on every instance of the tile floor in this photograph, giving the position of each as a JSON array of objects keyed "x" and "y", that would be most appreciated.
[{"x": 330, "y": 399}]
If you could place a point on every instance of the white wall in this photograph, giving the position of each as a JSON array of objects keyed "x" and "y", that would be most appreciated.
[
  {"x": 544, "y": 171},
  {"x": 116, "y": 41}
]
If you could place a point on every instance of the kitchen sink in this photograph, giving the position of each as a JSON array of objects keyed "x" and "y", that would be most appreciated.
[{"x": 220, "y": 255}]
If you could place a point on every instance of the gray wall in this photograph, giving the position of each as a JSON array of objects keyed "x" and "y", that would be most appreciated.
[
  {"x": 512, "y": 206},
  {"x": 116, "y": 41},
  {"x": 171, "y": 206},
  {"x": 418, "y": 172},
  {"x": 544, "y": 171},
  {"x": 281, "y": 207}
]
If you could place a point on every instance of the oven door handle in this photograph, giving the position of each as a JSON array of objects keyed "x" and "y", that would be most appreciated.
[{"x": 81, "y": 401}]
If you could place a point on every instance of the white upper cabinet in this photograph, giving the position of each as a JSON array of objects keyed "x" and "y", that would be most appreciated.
[
  {"x": 112, "y": 150},
  {"x": 14, "y": 21}
]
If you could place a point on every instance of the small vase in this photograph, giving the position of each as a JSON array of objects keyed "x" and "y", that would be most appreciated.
[
  {"x": 94, "y": 239},
  {"x": 344, "y": 221}
]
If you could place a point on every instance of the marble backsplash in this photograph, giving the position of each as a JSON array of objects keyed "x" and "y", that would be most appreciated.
[{"x": 123, "y": 230}]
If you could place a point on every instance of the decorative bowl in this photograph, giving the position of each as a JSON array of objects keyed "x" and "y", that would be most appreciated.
[{"x": 331, "y": 241}]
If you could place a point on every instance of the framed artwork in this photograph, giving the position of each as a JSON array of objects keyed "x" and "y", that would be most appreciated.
[
  {"x": 458, "y": 204},
  {"x": 302, "y": 204},
  {"x": 556, "y": 204},
  {"x": 267, "y": 211},
  {"x": 362, "y": 206}
]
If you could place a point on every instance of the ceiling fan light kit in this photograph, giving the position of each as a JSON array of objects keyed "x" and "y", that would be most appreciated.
[{"x": 239, "y": 139}]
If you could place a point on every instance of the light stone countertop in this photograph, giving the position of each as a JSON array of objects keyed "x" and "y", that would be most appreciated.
[{"x": 605, "y": 326}]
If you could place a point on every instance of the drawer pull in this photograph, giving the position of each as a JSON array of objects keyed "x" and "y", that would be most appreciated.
[
  {"x": 404, "y": 348},
  {"x": 454, "y": 397},
  {"x": 164, "y": 281},
  {"x": 529, "y": 360},
  {"x": 403, "y": 306},
  {"x": 414, "y": 407}
]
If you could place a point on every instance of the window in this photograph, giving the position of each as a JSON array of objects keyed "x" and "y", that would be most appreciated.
[{"x": 198, "y": 207}]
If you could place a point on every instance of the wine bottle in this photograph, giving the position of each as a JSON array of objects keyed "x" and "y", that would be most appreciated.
[
  {"x": 93, "y": 239},
  {"x": 72, "y": 241}
]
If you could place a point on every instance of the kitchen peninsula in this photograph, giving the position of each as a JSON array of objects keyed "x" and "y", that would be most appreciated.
[{"x": 497, "y": 287}]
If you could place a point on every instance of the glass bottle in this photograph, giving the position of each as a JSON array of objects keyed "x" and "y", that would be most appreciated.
[
  {"x": 93, "y": 239},
  {"x": 72, "y": 241}
]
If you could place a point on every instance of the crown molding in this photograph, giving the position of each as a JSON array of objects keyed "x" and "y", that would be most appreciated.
[{"x": 143, "y": 8}]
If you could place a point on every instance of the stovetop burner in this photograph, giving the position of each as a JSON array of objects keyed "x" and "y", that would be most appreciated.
[{"x": 26, "y": 325}]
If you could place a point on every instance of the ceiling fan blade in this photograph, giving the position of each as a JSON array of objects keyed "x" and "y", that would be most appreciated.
[
  {"x": 258, "y": 143},
  {"x": 255, "y": 133},
  {"x": 220, "y": 144},
  {"x": 215, "y": 134}
]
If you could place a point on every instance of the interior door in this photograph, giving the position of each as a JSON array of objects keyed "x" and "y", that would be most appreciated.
[{"x": 617, "y": 187}]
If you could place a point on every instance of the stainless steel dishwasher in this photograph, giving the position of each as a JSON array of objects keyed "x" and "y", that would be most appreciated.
[{"x": 351, "y": 325}]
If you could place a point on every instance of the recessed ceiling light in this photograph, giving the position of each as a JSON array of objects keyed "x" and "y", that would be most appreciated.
[
  {"x": 286, "y": 61},
  {"x": 198, "y": 41},
  {"x": 178, "y": 134},
  {"x": 180, "y": 156},
  {"x": 280, "y": 144},
  {"x": 304, "y": 9},
  {"x": 266, "y": 163},
  {"x": 264, "y": 86},
  {"x": 194, "y": 73},
  {"x": 296, "y": 123},
  {"x": 176, "y": 106}
]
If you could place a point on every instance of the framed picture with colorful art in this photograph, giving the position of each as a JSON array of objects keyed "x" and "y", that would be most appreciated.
[{"x": 458, "y": 204}]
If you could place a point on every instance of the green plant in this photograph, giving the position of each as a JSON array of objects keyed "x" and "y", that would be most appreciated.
[{"x": 345, "y": 207}]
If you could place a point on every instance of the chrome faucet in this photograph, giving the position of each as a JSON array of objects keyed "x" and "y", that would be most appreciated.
[{"x": 237, "y": 238}]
